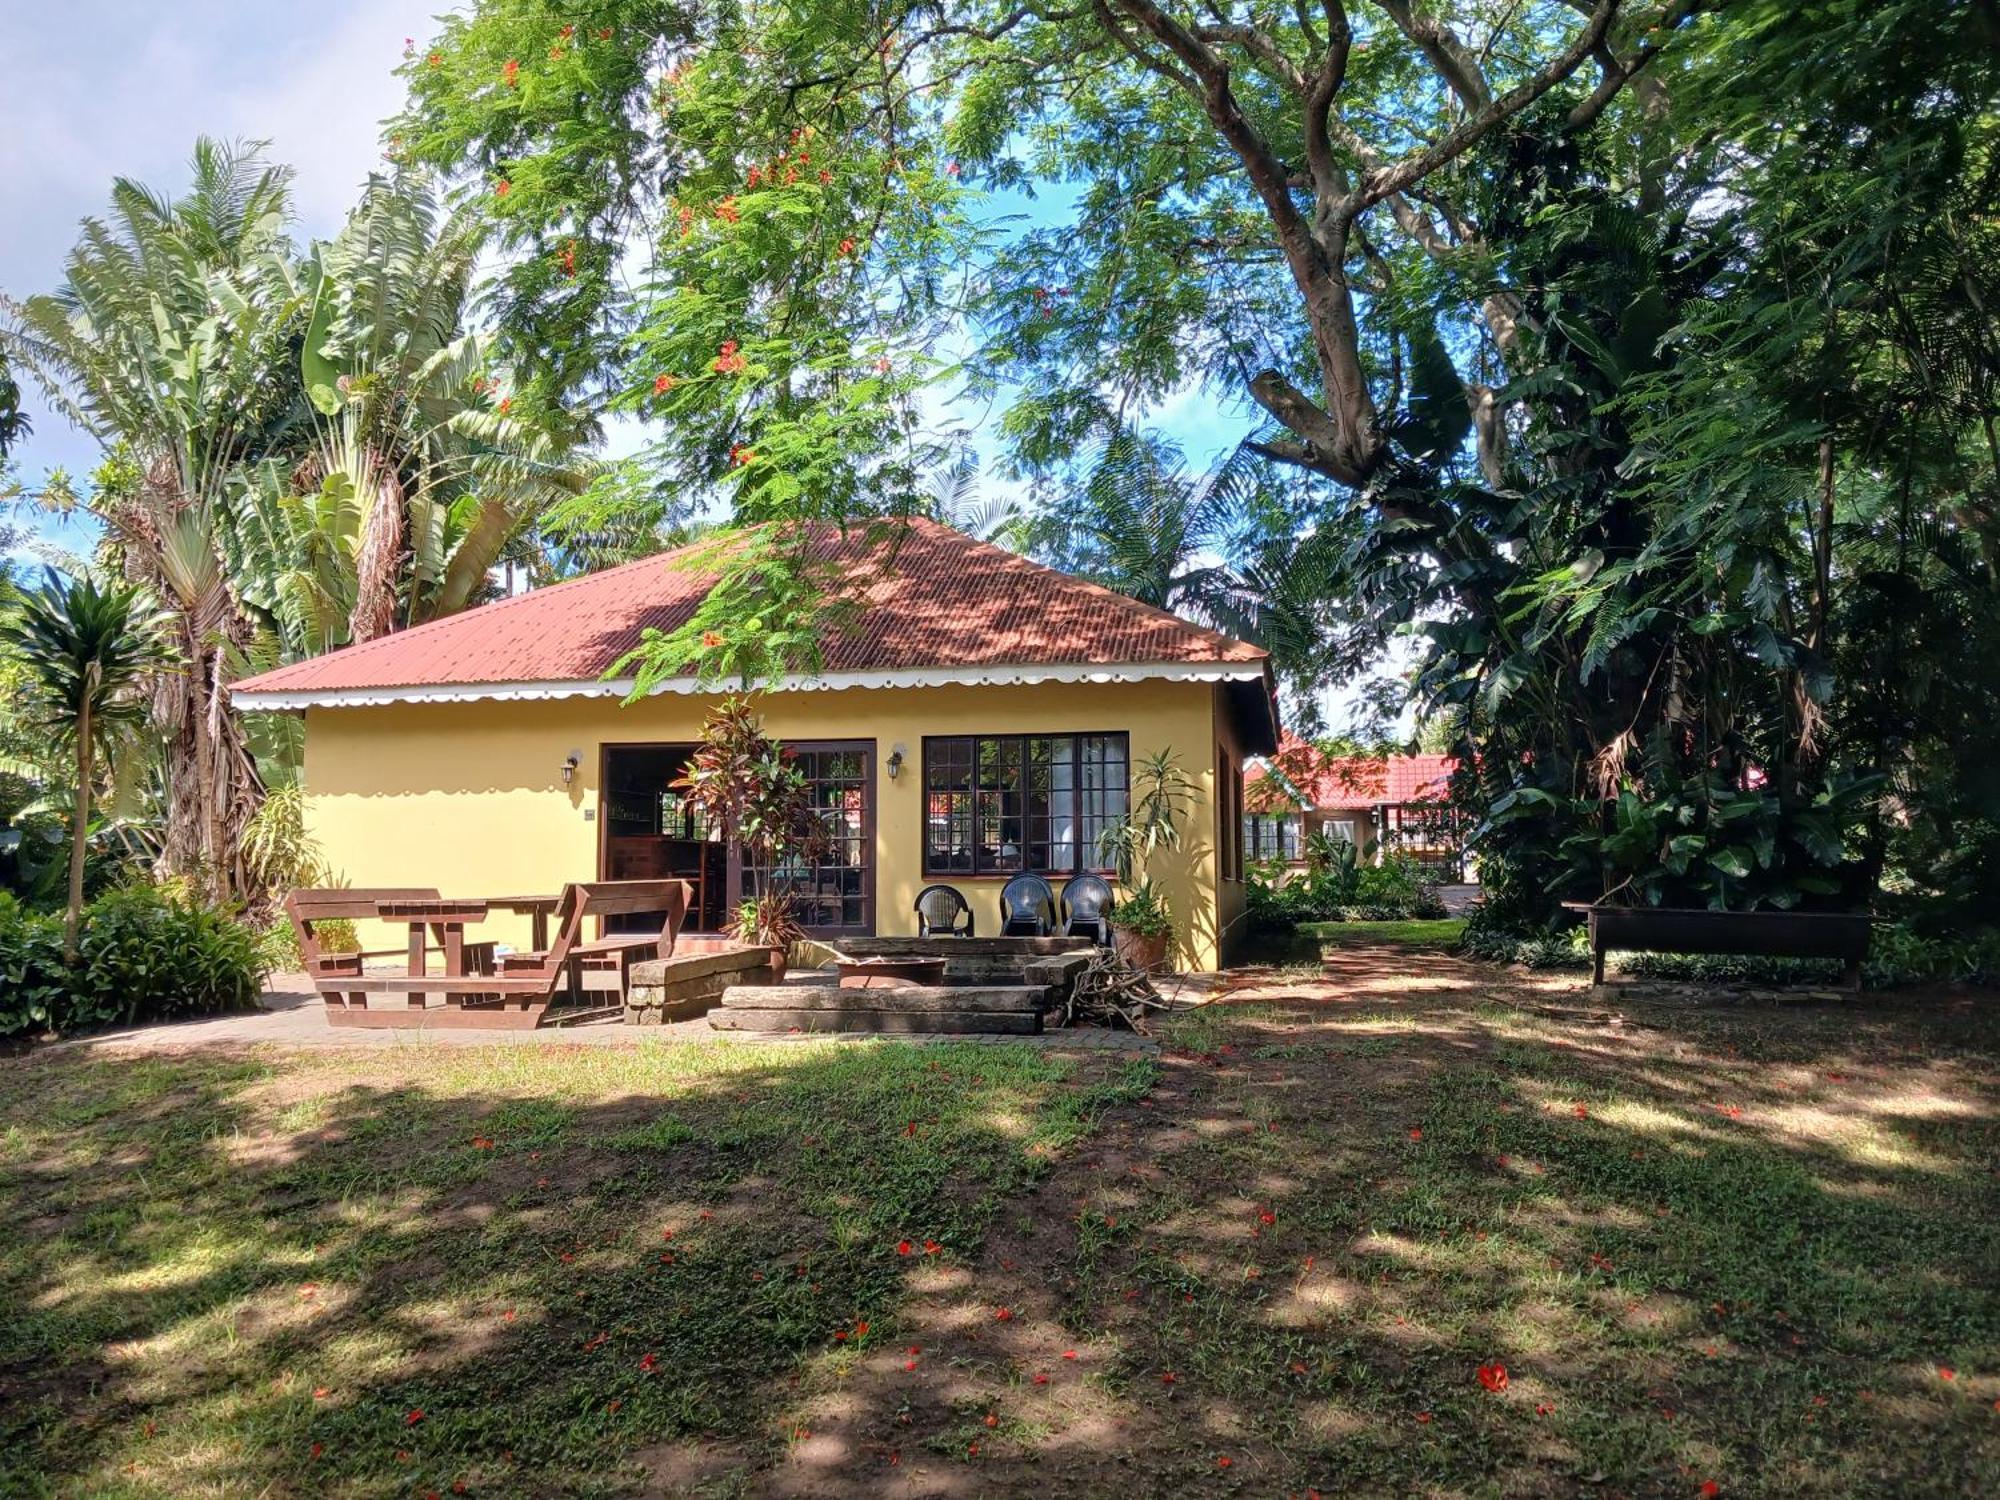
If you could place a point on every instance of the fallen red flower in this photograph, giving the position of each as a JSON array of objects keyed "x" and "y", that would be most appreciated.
[
  {"x": 414, "y": 1417},
  {"x": 1493, "y": 1377},
  {"x": 1003, "y": 1314},
  {"x": 903, "y": 1247}
]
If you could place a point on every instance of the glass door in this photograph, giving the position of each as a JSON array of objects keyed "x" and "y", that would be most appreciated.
[{"x": 833, "y": 893}]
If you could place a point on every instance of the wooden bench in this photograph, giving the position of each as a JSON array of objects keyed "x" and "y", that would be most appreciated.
[
  {"x": 1758, "y": 934},
  {"x": 517, "y": 990}
]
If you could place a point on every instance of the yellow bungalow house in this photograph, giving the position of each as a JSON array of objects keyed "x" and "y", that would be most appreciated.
[{"x": 981, "y": 716}]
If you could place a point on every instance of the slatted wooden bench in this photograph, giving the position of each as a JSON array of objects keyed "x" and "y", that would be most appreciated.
[{"x": 1758, "y": 934}]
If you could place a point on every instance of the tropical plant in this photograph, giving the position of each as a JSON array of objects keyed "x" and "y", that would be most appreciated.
[
  {"x": 89, "y": 652},
  {"x": 168, "y": 342},
  {"x": 1161, "y": 802},
  {"x": 745, "y": 783},
  {"x": 420, "y": 471}
]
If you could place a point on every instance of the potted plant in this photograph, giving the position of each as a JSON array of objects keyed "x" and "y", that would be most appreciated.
[
  {"x": 1142, "y": 924},
  {"x": 1142, "y": 929},
  {"x": 747, "y": 784}
]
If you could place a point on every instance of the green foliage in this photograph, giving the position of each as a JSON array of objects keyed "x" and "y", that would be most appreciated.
[
  {"x": 1143, "y": 911},
  {"x": 1334, "y": 887},
  {"x": 746, "y": 784},
  {"x": 142, "y": 957}
]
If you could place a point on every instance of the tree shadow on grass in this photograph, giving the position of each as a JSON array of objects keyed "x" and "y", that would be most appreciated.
[{"x": 532, "y": 1271}]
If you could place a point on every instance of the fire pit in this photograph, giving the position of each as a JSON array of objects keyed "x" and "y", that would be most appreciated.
[{"x": 888, "y": 973}]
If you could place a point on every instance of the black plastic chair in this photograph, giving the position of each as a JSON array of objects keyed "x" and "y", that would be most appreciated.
[
  {"x": 1087, "y": 904},
  {"x": 943, "y": 912},
  {"x": 1027, "y": 907}
]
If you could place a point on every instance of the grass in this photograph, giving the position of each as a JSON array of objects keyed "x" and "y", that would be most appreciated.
[
  {"x": 1715, "y": 1244},
  {"x": 506, "y": 1269},
  {"x": 1441, "y": 935}
]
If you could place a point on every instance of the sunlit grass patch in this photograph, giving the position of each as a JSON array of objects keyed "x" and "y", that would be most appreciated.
[{"x": 508, "y": 1268}]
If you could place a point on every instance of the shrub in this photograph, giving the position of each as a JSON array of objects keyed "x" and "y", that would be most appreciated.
[
  {"x": 1338, "y": 890},
  {"x": 142, "y": 957},
  {"x": 1897, "y": 955}
]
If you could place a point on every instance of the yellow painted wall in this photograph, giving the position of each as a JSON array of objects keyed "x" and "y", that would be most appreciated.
[{"x": 469, "y": 797}]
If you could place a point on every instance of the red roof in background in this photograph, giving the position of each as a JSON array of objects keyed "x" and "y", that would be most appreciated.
[
  {"x": 940, "y": 599},
  {"x": 1354, "y": 783}
]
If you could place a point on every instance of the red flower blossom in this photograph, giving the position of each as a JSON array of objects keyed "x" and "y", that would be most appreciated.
[
  {"x": 318, "y": 1449},
  {"x": 1003, "y": 1314},
  {"x": 1416, "y": 1134},
  {"x": 502, "y": 188},
  {"x": 909, "y": 1364},
  {"x": 510, "y": 74},
  {"x": 1946, "y": 1372},
  {"x": 414, "y": 1417},
  {"x": 1582, "y": 1112},
  {"x": 555, "y": 54},
  {"x": 507, "y": 1316},
  {"x": 1041, "y": 1379},
  {"x": 727, "y": 211},
  {"x": 321, "y": 1392},
  {"x": 931, "y": 1247},
  {"x": 951, "y": 169},
  {"x": 649, "y": 1363},
  {"x": 1493, "y": 1377},
  {"x": 847, "y": 247},
  {"x": 904, "y": 1247},
  {"x": 742, "y": 455},
  {"x": 1223, "y": 1461},
  {"x": 1710, "y": 1487},
  {"x": 567, "y": 32},
  {"x": 1167, "y": 1377},
  {"x": 436, "y": 60},
  {"x": 1424, "y": 1417},
  {"x": 604, "y": 33},
  {"x": 728, "y": 361},
  {"x": 1267, "y": 1217},
  {"x": 992, "y": 1419},
  {"x": 1069, "y": 1354},
  {"x": 825, "y": 177},
  {"x": 882, "y": 365}
]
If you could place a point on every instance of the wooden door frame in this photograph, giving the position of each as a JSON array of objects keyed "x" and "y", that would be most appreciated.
[{"x": 869, "y": 797}]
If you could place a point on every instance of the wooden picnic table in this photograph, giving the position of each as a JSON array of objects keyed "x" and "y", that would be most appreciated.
[
  {"x": 445, "y": 920},
  {"x": 536, "y": 908}
]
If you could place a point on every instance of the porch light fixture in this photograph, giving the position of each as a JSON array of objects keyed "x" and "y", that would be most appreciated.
[
  {"x": 570, "y": 763},
  {"x": 895, "y": 765}
]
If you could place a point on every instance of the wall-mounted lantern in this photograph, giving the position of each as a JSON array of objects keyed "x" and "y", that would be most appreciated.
[
  {"x": 895, "y": 766},
  {"x": 569, "y": 765}
]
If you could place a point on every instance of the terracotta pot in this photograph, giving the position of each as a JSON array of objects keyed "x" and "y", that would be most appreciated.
[
  {"x": 1145, "y": 953},
  {"x": 778, "y": 953}
]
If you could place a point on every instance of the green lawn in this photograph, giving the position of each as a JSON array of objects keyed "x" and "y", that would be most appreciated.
[
  {"x": 1441, "y": 935},
  {"x": 1749, "y": 1247},
  {"x": 508, "y": 1269}
]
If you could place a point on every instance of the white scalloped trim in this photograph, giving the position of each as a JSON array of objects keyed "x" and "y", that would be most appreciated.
[{"x": 998, "y": 675}]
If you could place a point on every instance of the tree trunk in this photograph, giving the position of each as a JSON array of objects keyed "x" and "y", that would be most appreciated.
[
  {"x": 379, "y": 563},
  {"x": 79, "y": 834}
]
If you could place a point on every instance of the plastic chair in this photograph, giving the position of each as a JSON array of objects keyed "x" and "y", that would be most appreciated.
[
  {"x": 1027, "y": 907},
  {"x": 1087, "y": 906},
  {"x": 943, "y": 912}
]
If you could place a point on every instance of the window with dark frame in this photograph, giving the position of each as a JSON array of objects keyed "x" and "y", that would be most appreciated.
[
  {"x": 998, "y": 804},
  {"x": 1268, "y": 836}
]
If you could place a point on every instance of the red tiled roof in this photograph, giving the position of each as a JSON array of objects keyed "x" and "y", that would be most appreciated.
[
  {"x": 941, "y": 599},
  {"x": 1353, "y": 783}
]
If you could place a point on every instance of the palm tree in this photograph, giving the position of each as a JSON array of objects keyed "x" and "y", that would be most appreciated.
[
  {"x": 88, "y": 652},
  {"x": 413, "y": 448},
  {"x": 170, "y": 341}
]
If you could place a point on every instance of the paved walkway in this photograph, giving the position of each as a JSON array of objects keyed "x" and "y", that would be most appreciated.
[{"x": 293, "y": 1017}]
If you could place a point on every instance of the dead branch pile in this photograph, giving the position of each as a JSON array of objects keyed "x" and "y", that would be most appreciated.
[{"x": 1109, "y": 991}]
